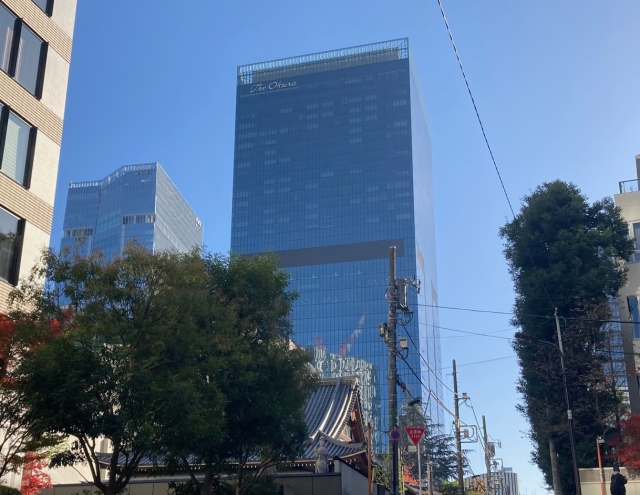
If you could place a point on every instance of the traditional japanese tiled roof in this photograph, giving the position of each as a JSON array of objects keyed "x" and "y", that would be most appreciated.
[{"x": 327, "y": 414}]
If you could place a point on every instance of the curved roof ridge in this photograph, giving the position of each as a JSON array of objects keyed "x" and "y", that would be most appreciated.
[
  {"x": 345, "y": 411},
  {"x": 329, "y": 409}
]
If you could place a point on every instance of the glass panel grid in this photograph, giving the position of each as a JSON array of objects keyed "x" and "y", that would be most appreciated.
[
  {"x": 136, "y": 203},
  {"x": 341, "y": 159}
]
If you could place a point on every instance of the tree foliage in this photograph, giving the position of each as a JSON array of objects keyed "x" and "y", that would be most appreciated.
[
  {"x": 34, "y": 478},
  {"x": 181, "y": 358},
  {"x": 629, "y": 449},
  {"x": 565, "y": 253},
  {"x": 15, "y": 441},
  {"x": 93, "y": 338},
  {"x": 449, "y": 488},
  {"x": 264, "y": 381},
  {"x": 12, "y": 433}
]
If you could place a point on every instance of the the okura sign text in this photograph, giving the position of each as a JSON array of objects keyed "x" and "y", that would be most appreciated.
[{"x": 258, "y": 88}]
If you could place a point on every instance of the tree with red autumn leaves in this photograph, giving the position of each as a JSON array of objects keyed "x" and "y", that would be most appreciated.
[
  {"x": 34, "y": 479},
  {"x": 629, "y": 449},
  {"x": 408, "y": 477}
]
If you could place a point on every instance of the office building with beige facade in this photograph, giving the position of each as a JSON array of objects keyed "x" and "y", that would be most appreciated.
[{"x": 35, "y": 52}]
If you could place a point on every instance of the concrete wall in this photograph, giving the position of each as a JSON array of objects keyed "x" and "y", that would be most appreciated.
[
  {"x": 353, "y": 481},
  {"x": 293, "y": 484},
  {"x": 590, "y": 482}
]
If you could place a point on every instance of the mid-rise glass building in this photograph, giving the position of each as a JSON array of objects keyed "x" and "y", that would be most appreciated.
[
  {"x": 332, "y": 167},
  {"x": 136, "y": 203}
]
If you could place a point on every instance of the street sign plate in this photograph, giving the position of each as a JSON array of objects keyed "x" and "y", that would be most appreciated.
[
  {"x": 612, "y": 436},
  {"x": 414, "y": 433},
  {"x": 395, "y": 435}
]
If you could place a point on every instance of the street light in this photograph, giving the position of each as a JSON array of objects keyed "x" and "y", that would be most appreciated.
[{"x": 535, "y": 340}]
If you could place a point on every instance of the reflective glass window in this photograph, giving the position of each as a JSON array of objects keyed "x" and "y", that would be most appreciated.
[
  {"x": 28, "y": 62},
  {"x": 632, "y": 302},
  {"x": 8, "y": 244},
  {"x": 16, "y": 146},
  {"x": 636, "y": 235},
  {"x": 42, "y": 4},
  {"x": 7, "y": 24}
]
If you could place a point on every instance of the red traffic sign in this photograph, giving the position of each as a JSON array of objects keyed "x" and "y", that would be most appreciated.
[
  {"x": 612, "y": 436},
  {"x": 415, "y": 434},
  {"x": 395, "y": 435}
]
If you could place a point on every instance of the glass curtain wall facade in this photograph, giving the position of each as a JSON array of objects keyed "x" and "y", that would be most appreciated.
[
  {"x": 136, "y": 203},
  {"x": 332, "y": 167}
]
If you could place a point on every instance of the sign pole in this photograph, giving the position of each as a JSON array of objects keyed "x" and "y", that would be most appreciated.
[
  {"x": 598, "y": 441},
  {"x": 415, "y": 435},
  {"x": 419, "y": 472}
]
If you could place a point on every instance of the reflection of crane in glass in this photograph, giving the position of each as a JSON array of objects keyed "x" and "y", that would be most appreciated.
[{"x": 345, "y": 347}]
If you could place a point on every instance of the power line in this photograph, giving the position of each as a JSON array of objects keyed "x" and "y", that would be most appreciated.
[
  {"x": 510, "y": 313},
  {"x": 480, "y": 362},
  {"x": 473, "y": 101},
  {"x": 462, "y": 336},
  {"x": 424, "y": 360},
  {"x": 473, "y": 310},
  {"x": 436, "y": 398},
  {"x": 468, "y": 332},
  {"x": 549, "y": 317},
  {"x": 484, "y": 134},
  {"x": 477, "y": 423}
]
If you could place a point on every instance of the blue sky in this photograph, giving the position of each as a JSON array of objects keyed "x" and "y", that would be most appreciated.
[{"x": 556, "y": 82}]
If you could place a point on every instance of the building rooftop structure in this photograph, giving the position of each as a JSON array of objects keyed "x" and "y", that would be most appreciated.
[{"x": 324, "y": 61}]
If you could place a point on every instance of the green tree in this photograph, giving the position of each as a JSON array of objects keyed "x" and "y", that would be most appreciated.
[
  {"x": 264, "y": 380},
  {"x": 449, "y": 488},
  {"x": 95, "y": 340},
  {"x": 181, "y": 358},
  {"x": 565, "y": 253}
]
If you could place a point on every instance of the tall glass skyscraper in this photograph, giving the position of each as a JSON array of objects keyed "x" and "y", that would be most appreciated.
[
  {"x": 135, "y": 203},
  {"x": 332, "y": 167}
]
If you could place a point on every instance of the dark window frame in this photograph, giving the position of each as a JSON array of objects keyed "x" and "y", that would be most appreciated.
[
  {"x": 48, "y": 9},
  {"x": 31, "y": 145},
  {"x": 14, "y": 270},
  {"x": 15, "y": 48}
]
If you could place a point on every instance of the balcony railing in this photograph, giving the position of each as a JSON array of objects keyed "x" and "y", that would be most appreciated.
[{"x": 627, "y": 186}]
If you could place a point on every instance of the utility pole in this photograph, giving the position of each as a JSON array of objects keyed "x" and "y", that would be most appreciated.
[
  {"x": 391, "y": 344},
  {"x": 419, "y": 469},
  {"x": 458, "y": 437},
  {"x": 487, "y": 456},
  {"x": 397, "y": 301},
  {"x": 576, "y": 472}
]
